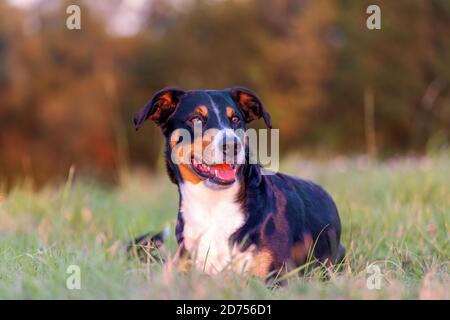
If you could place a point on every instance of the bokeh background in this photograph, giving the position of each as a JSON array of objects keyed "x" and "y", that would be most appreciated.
[{"x": 67, "y": 97}]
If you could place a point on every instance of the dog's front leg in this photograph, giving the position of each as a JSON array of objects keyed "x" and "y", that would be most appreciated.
[
  {"x": 148, "y": 246},
  {"x": 151, "y": 247}
]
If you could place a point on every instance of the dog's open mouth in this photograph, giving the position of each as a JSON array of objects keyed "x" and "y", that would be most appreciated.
[{"x": 223, "y": 173}]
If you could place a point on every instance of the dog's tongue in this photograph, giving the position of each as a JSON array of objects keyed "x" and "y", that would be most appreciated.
[{"x": 223, "y": 172}]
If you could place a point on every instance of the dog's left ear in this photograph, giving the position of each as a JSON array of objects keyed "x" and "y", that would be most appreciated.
[
  {"x": 160, "y": 107},
  {"x": 250, "y": 104}
]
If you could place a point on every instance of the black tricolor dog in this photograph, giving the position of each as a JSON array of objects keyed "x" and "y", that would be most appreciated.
[{"x": 231, "y": 215}]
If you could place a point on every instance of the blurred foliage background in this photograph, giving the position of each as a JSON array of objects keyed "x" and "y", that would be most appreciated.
[{"x": 67, "y": 97}]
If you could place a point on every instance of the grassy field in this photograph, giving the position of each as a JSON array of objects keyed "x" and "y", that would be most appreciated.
[{"x": 395, "y": 214}]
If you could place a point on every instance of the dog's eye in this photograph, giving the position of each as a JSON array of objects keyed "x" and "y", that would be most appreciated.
[
  {"x": 196, "y": 120},
  {"x": 235, "y": 119}
]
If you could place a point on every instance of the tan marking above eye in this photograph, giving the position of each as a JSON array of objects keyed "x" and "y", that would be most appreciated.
[
  {"x": 202, "y": 110},
  {"x": 230, "y": 112}
]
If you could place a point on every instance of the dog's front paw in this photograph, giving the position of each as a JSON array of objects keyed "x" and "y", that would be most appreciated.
[{"x": 148, "y": 248}]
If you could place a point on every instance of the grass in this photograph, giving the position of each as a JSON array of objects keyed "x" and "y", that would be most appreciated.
[{"x": 395, "y": 214}]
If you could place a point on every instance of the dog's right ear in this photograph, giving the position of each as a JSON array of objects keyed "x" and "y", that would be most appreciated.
[{"x": 159, "y": 108}]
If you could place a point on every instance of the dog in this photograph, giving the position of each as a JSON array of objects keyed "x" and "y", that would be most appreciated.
[{"x": 232, "y": 216}]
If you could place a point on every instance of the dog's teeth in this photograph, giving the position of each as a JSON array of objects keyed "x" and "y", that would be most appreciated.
[{"x": 215, "y": 173}]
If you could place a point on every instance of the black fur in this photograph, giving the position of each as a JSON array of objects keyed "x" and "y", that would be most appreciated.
[
  {"x": 282, "y": 211},
  {"x": 285, "y": 216}
]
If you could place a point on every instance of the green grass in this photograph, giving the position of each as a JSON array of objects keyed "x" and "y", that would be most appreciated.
[{"x": 394, "y": 213}]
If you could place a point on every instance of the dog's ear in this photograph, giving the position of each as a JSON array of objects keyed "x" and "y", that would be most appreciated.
[
  {"x": 250, "y": 104},
  {"x": 159, "y": 108}
]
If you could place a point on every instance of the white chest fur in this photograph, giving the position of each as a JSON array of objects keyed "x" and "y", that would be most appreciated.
[{"x": 211, "y": 216}]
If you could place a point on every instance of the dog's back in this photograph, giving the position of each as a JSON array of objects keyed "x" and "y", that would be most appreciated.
[{"x": 290, "y": 219}]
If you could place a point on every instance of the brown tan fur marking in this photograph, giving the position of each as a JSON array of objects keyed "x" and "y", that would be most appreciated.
[
  {"x": 300, "y": 250},
  {"x": 247, "y": 102},
  {"x": 230, "y": 112},
  {"x": 202, "y": 110},
  {"x": 262, "y": 263},
  {"x": 187, "y": 174},
  {"x": 165, "y": 102}
]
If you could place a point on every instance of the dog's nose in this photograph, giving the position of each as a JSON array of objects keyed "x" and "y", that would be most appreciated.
[{"x": 231, "y": 146}]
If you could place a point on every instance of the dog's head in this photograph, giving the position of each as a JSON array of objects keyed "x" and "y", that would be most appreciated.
[{"x": 203, "y": 131}]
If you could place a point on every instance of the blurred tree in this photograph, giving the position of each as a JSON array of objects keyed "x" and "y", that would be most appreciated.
[
  {"x": 331, "y": 85},
  {"x": 397, "y": 63},
  {"x": 62, "y": 114}
]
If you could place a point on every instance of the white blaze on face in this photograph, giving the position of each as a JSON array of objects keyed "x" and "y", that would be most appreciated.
[
  {"x": 216, "y": 112},
  {"x": 221, "y": 134}
]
